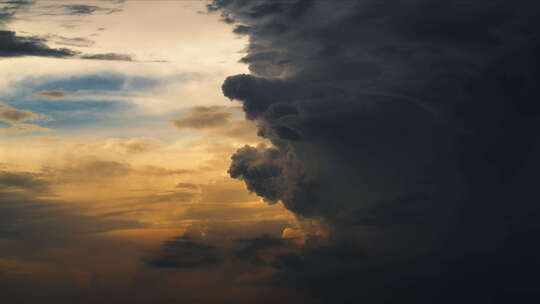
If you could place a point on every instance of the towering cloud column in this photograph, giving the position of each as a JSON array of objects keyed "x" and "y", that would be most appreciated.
[{"x": 410, "y": 127}]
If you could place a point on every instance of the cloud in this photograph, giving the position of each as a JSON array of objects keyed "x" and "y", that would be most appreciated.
[
  {"x": 12, "y": 115},
  {"x": 15, "y": 46},
  {"x": 203, "y": 117},
  {"x": 30, "y": 213},
  {"x": 16, "y": 117},
  {"x": 254, "y": 249},
  {"x": 93, "y": 169},
  {"x": 184, "y": 252},
  {"x": 80, "y": 9},
  {"x": 187, "y": 186},
  {"x": 76, "y": 41},
  {"x": 407, "y": 128},
  {"x": 25, "y": 181},
  {"x": 22, "y": 128},
  {"x": 169, "y": 197},
  {"x": 133, "y": 145},
  {"x": 108, "y": 56},
  {"x": 12, "y": 45},
  {"x": 56, "y": 94},
  {"x": 8, "y": 9},
  {"x": 225, "y": 191},
  {"x": 217, "y": 122},
  {"x": 159, "y": 171}
]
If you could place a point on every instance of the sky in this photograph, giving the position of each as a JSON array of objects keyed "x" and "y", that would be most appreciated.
[{"x": 299, "y": 151}]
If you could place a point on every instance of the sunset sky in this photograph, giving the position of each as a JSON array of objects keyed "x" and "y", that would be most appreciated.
[
  {"x": 102, "y": 161},
  {"x": 299, "y": 151}
]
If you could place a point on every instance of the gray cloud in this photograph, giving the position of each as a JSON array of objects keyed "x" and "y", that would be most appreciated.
[
  {"x": 407, "y": 127},
  {"x": 26, "y": 181},
  {"x": 108, "y": 56},
  {"x": 184, "y": 252},
  {"x": 15, "y": 46},
  {"x": 80, "y": 9}
]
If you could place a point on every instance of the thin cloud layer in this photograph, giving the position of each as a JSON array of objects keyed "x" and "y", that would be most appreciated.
[
  {"x": 12, "y": 115},
  {"x": 16, "y": 119},
  {"x": 203, "y": 118},
  {"x": 217, "y": 122},
  {"x": 408, "y": 128},
  {"x": 56, "y": 94}
]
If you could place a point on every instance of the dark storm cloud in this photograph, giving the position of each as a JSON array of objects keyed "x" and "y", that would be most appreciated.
[
  {"x": 184, "y": 252},
  {"x": 409, "y": 127}
]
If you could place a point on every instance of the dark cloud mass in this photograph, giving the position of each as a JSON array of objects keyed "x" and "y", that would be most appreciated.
[
  {"x": 26, "y": 181},
  {"x": 184, "y": 252},
  {"x": 410, "y": 128},
  {"x": 12, "y": 45}
]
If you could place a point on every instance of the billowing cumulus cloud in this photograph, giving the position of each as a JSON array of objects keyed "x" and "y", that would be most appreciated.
[{"x": 409, "y": 128}]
